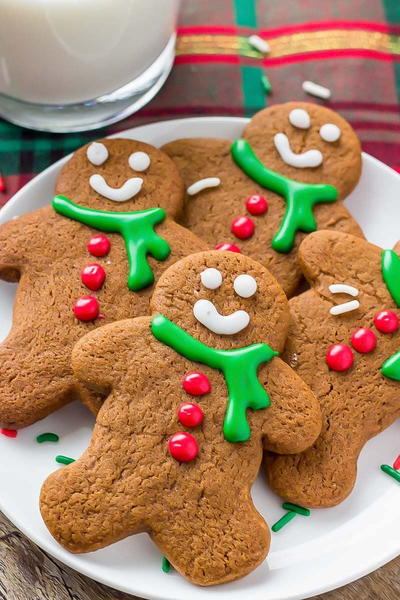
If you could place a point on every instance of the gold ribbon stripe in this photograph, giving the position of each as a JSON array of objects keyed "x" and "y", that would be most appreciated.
[{"x": 284, "y": 45}]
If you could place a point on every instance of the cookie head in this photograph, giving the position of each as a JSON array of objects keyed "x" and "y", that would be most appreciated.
[
  {"x": 307, "y": 142},
  {"x": 358, "y": 285},
  {"x": 218, "y": 298},
  {"x": 121, "y": 175}
]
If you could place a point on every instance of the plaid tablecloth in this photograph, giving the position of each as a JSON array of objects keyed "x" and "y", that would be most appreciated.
[{"x": 350, "y": 46}]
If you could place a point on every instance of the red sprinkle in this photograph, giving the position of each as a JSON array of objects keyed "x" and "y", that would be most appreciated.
[
  {"x": 339, "y": 357},
  {"x": 183, "y": 446},
  {"x": 99, "y": 245},
  {"x": 226, "y": 247},
  {"x": 93, "y": 276},
  {"x": 86, "y": 308},
  {"x": 9, "y": 432},
  {"x": 190, "y": 415},
  {"x": 386, "y": 321},
  {"x": 2, "y": 183},
  {"x": 196, "y": 383},
  {"x": 363, "y": 340},
  {"x": 242, "y": 227},
  {"x": 396, "y": 464},
  {"x": 256, "y": 204}
]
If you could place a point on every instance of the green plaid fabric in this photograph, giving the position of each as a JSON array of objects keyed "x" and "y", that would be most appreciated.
[{"x": 351, "y": 47}]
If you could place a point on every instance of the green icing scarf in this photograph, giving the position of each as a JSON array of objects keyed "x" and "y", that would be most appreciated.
[
  {"x": 238, "y": 366},
  {"x": 137, "y": 229},
  {"x": 390, "y": 265},
  {"x": 300, "y": 198}
]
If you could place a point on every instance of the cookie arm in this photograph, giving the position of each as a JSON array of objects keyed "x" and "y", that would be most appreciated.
[
  {"x": 102, "y": 354},
  {"x": 12, "y": 254},
  {"x": 293, "y": 420},
  {"x": 21, "y": 240}
]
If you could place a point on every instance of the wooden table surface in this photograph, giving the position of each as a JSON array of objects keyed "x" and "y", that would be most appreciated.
[{"x": 28, "y": 573}]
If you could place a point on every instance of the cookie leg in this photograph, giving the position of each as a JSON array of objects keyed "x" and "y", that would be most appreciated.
[
  {"x": 320, "y": 477},
  {"x": 34, "y": 380},
  {"x": 83, "y": 505},
  {"x": 213, "y": 540}
]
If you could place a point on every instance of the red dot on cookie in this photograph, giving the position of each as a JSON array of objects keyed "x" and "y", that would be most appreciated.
[
  {"x": 93, "y": 276},
  {"x": 9, "y": 432},
  {"x": 242, "y": 227},
  {"x": 196, "y": 383},
  {"x": 386, "y": 321},
  {"x": 190, "y": 415},
  {"x": 183, "y": 446},
  {"x": 86, "y": 308},
  {"x": 256, "y": 204},
  {"x": 228, "y": 247},
  {"x": 339, "y": 357},
  {"x": 363, "y": 340},
  {"x": 99, "y": 245}
]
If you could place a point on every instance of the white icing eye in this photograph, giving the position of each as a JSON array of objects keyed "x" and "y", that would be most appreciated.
[
  {"x": 139, "y": 161},
  {"x": 97, "y": 153},
  {"x": 245, "y": 285},
  {"x": 330, "y": 132},
  {"x": 300, "y": 118},
  {"x": 211, "y": 278}
]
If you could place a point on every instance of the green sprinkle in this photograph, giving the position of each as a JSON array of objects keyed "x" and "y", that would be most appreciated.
[
  {"x": 165, "y": 565},
  {"x": 296, "y": 508},
  {"x": 392, "y": 472},
  {"x": 64, "y": 460},
  {"x": 266, "y": 84},
  {"x": 283, "y": 521},
  {"x": 47, "y": 437}
]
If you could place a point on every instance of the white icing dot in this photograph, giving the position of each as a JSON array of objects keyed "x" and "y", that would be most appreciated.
[
  {"x": 330, "y": 132},
  {"x": 245, "y": 285},
  {"x": 300, "y": 118},
  {"x": 211, "y": 278},
  {"x": 97, "y": 153},
  {"x": 139, "y": 161}
]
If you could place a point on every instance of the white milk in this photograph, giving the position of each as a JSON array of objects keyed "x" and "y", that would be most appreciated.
[{"x": 67, "y": 51}]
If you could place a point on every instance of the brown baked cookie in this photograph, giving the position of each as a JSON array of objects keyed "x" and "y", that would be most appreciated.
[
  {"x": 175, "y": 451},
  {"x": 361, "y": 283},
  {"x": 47, "y": 251},
  {"x": 283, "y": 147}
]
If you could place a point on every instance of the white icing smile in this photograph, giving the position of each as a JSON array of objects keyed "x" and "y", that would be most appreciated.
[
  {"x": 310, "y": 158},
  {"x": 128, "y": 190},
  {"x": 207, "y": 314}
]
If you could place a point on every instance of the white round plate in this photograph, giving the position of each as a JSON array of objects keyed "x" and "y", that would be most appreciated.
[{"x": 310, "y": 555}]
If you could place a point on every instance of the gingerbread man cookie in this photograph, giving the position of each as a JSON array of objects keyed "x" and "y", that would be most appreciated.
[
  {"x": 262, "y": 194},
  {"x": 88, "y": 259},
  {"x": 344, "y": 342},
  {"x": 175, "y": 449}
]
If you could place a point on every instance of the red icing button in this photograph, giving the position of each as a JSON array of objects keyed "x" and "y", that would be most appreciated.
[
  {"x": 386, "y": 321},
  {"x": 86, "y": 308},
  {"x": 183, "y": 446},
  {"x": 190, "y": 415},
  {"x": 226, "y": 247},
  {"x": 363, "y": 340},
  {"x": 339, "y": 357},
  {"x": 9, "y": 432},
  {"x": 242, "y": 227},
  {"x": 256, "y": 204},
  {"x": 196, "y": 384},
  {"x": 99, "y": 245},
  {"x": 396, "y": 464},
  {"x": 93, "y": 276}
]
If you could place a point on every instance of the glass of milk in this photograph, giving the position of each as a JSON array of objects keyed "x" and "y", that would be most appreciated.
[{"x": 72, "y": 65}]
